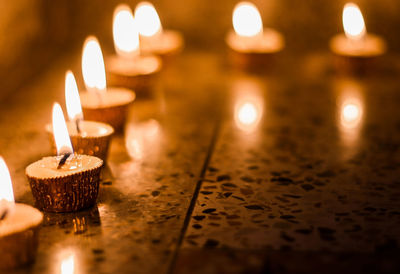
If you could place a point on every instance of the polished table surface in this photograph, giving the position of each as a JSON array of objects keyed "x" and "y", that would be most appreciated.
[{"x": 288, "y": 169}]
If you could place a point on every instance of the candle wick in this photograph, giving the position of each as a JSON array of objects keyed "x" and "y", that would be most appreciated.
[
  {"x": 3, "y": 215},
  {"x": 63, "y": 160},
  {"x": 77, "y": 123}
]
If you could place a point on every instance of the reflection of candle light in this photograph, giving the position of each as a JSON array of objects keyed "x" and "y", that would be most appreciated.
[
  {"x": 68, "y": 265},
  {"x": 353, "y": 22},
  {"x": 125, "y": 32},
  {"x": 148, "y": 20},
  {"x": 94, "y": 74},
  {"x": 142, "y": 136},
  {"x": 79, "y": 225},
  {"x": 249, "y": 103},
  {"x": 351, "y": 115},
  {"x": 350, "y": 112},
  {"x": 248, "y": 115},
  {"x": 247, "y": 20}
]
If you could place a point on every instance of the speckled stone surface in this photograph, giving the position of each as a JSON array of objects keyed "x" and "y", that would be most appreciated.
[
  {"x": 291, "y": 170},
  {"x": 306, "y": 161},
  {"x": 147, "y": 185}
]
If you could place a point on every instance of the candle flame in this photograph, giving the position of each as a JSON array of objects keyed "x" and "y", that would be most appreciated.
[
  {"x": 353, "y": 22},
  {"x": 6, "y": 189},
  {"x": 60, "y": 131},
  {"x": 72, "y": 100},
  {"x": 93, "y": 70},
  {"x": 125, "y": 32},
  {"x": 68, "y": 265},
  {"x": 247, "y": 20},
  {"x": 147, "y": 19}
]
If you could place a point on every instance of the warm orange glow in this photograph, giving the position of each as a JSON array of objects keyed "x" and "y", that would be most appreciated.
[
  {"x": 68, "y": 265},
  {"x": 6, "y": 189},
  {"x": 147, "y": 19},
  {"x": 248, "y": 114},
  {"x": 93, "y": 70},
  {"x": 72, "y": 100},
  {"x": 353, "y": 22},
  {"x": 247, "y": 20},
  {"x": 125, "y": 32},
  {"x": 60, "y": 131},
  {"x": 141, "y": 138},
  {"x": 351, "y": 113}
]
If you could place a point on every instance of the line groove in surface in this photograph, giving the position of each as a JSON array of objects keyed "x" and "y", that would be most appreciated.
[{"x": 195, "y": 194}]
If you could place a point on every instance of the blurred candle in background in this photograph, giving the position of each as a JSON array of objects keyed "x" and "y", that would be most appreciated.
[
  {"x": 130, "y": 68},
  {"x": 247, "y": 23},
  {"x": 99, "y": 103},
  {"x": 355, "y": 48},
  {"x": 125, "y": 32},
  {"x": 353, "y": 22},
  {"x": 251, "y": 44},
  {"x": 148, "y": 20},
  {"x": 153, "y": 38}
]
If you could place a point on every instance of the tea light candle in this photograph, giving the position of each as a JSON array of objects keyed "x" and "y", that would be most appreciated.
[
  {"x": 19, "y": 226},
  {"x": 128, "y": 68},
  {"x": 356, "y": 44},
  {"x": 249, "y": 41},
  {"x": 67, "y": 182},
  {"x": 153, "y": 38},
  {"x": 87, "y": 137},
  {"x": 99, "y": 103}
]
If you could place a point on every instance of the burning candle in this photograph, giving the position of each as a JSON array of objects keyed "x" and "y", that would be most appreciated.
[
  {"x": 67, "y": 182},
  {"x": 153, "y": 38},
  {"x": 356, "y": 44},
  {"x": 87, "y": 137},
  {"x": 19, "y": 225},
  {"x": 128, "y": 68},
  {"x": 250, "y": 42},
  {"x": 99, "y": 103}
]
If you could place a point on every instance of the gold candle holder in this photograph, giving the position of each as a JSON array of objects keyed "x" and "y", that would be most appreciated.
[
  {"x": 19, "y": 236},
  {"x": 72, "y": 188},
  {"x": 138, "y": 74},
  {"x": 19, "y": 226}
]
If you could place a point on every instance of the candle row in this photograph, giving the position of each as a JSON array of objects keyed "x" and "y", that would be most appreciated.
[
  {"x": 70, "y": 181},
  {"x": 252, "y": 43}
]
